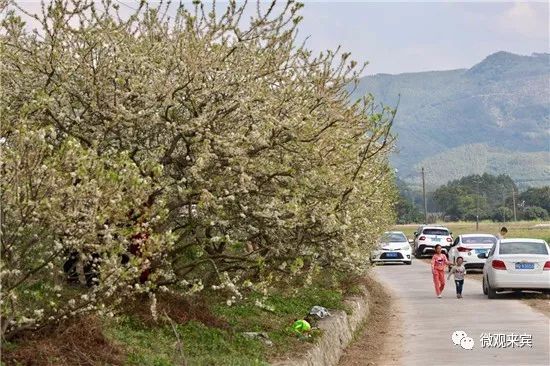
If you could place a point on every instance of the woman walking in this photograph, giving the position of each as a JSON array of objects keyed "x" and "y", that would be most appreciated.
[{"x": 439, "y": 263}]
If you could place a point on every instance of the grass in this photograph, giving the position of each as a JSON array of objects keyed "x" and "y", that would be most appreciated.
[
  {"x": 155, "y": 344},
  {"x": 196, "y": 331},
  {"x": 193, "y": 342},
  {"x": 518, "y": 229},
  {"x": 201, "y": 330}
]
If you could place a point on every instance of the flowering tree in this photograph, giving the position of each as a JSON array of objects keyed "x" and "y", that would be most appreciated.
[
  {"x": 245, "y": 145},
  {"x": 60, "y": 198}
]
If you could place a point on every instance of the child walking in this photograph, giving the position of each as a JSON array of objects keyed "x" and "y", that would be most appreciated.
[
  {"x": 458, "y": 270},
  {"x": 439, "y": 263}
]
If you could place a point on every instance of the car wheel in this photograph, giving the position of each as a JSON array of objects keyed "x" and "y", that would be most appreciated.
[
  {"x": 417, "y": 254},
  {"x": 408, "y": 262},
  {"x": 484, "y": 286},
  {"x": 491, "y": 292}
]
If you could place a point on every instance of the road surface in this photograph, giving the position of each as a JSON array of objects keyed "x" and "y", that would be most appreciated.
[{"x": 429, "y": 322}]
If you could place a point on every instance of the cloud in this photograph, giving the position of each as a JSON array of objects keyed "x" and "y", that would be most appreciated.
[{"x": 526, "y": 19}]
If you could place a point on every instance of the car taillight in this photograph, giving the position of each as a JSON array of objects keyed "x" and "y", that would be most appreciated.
[
  {"x": 422, "y": 238},
  {"x": 463, "y": 249},
  {"x": 449, "y": 240},
  {"x": 498, "y": 264},
  {"x": 547, "y": 266}
]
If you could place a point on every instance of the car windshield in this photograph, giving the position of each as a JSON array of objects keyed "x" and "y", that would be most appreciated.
[
  {"x": 523, "y": 248},
  {"x": 479, "y": 240},
  {"x": 394, "y": 238},
  {"x": 441, "y": 232}
]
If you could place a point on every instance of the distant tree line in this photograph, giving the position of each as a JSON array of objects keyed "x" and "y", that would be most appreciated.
[
  {"x": 491, "y": 197},
  {"x": 534, "y": 203},
  {"x": 487, "y": 196}
]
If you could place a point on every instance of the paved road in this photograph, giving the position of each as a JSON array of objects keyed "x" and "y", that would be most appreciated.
[{"x": 428, "y": 322}]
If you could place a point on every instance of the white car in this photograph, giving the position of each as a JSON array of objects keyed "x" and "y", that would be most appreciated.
[
  {"x": 427, "y": 237},
  {"x": 515, "y": 265},
  {"x": 393, "y": 246},
  {"x": 472, "y": 247}
]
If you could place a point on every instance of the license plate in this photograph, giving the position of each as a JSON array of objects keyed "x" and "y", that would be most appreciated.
[
  {"x": 479, "y": 251},
  {"x": 391, "y": 255},
  {"x": 525, "y": 265},
  {"x": 436, "y": 239}
]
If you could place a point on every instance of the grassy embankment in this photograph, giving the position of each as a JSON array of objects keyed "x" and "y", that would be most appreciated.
[{"x": 198, "y": 331}]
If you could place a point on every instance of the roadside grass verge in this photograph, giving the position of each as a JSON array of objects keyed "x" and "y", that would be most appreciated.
[{"x": 201, "y": 330}]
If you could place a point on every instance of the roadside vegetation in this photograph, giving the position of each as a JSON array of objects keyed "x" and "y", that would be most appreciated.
[
  {"x": 194, "y": 330},
  {"x": 173, "y": 176}
]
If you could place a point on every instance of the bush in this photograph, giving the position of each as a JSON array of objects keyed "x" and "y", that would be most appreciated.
[
  {"x": 471, "y": 215},
  {"x": 534, "y": 213},
  {"x": 502, "y": 214}
]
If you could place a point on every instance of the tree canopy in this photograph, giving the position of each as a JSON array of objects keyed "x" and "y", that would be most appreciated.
[
  {"x": 228, "y": 154},
  {"x": 465, "y": 198},
  {"x": 535, "y": 197}
]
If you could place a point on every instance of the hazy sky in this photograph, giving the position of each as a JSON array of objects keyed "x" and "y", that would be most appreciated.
[{"x": 398, "y": 37}]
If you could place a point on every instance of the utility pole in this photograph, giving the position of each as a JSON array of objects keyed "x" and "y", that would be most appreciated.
[
  {"x": 424, "y": 195},
  {"x": 503, "y": 208},
  {"x": 477, "y": 205},
  {"x": 514, "y": 203}
]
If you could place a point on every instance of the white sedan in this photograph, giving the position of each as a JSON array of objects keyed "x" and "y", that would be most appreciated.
[
  {"x": 515, "y": 265},
  {"x": 392, "y": 247},
  {"x": 472, "y": 247}
]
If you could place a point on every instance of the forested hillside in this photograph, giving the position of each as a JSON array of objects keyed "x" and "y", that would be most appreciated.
[{"x": 493, "y": 118}]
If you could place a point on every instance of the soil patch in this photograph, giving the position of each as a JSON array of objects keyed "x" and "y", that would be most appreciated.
[
  {"x": 380, "y": 340},
  {"x": 178, "y": 308},
  {"x": 80, "y": 342}
]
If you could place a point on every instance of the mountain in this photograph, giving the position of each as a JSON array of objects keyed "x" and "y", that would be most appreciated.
[{"x": 493, "y": 118}]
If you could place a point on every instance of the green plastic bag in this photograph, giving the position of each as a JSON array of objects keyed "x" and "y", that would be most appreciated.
[{"x": 301, "y": 326}]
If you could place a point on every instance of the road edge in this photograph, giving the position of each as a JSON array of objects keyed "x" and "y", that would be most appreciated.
[{"x": 338, "y": 331}]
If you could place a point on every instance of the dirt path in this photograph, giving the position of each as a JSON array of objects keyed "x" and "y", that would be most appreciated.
[{"x": 380, "y": 341}]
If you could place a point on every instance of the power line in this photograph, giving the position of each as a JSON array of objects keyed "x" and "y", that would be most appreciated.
[{"x": 126, "y": 5}]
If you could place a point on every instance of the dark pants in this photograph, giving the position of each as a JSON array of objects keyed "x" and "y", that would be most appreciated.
[{"x": 459, "y": 284}]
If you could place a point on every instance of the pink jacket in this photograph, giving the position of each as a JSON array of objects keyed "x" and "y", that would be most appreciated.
[{"x": 439, "y": 262}]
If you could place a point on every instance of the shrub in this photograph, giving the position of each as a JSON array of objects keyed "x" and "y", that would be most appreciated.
[
  {"x": 502, "y": 214},
  {"x": 535, "y": 213}
]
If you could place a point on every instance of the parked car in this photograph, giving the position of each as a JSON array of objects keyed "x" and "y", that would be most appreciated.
[
  {"x": 427, "y": 237},
  {"x": 393, "y": 246},
  {"x": 469, "y": 247},
  {"x": 516, "y": 265}
]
